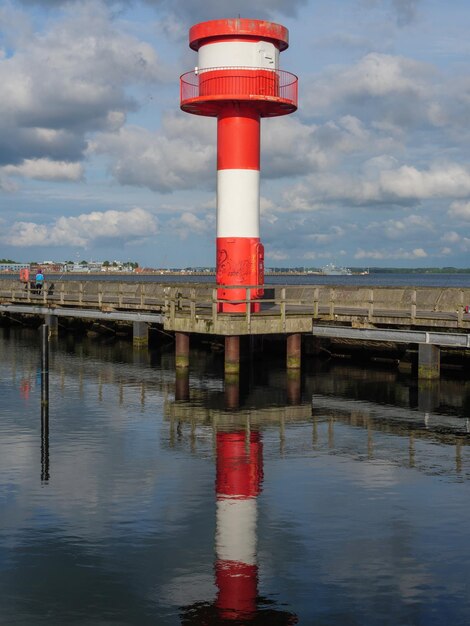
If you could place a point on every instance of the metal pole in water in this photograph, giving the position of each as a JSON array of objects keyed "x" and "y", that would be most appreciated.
[
  {"x": 44, "y": 443},
  {"x": 44, "y": 365}
]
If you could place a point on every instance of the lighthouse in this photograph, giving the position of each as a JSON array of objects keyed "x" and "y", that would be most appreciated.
[{"x": 237, "y": 80}]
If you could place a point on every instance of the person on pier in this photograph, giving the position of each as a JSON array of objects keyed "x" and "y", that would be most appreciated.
[{"x": 39, "y": 281}]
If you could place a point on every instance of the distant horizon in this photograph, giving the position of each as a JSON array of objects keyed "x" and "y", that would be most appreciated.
[{"x": 268, "y": 269}]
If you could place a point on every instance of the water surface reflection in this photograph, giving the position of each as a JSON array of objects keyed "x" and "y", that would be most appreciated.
[{"x": 341, "y": 495}]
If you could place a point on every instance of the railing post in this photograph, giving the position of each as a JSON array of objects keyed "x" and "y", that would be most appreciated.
[
  {"x": 413, "y": 306},
  {"x": 173, "y": 304},
  {"x": 214, "y": 306},
  {"x": 62, "y": 289},
  {"x": 370, "y": 313},
  {"x": 141, "y": 295},
  {"x": 315, "y": 302},
  {"x": 192, "y": 305},
  {"x": 460, "y": 308},
  {"x": 44, "y": 293},
  {"x": 332, "y": 303},
  {"x": 100, "y": 295},
  {"x": 248, "y": 308},
  {"x": 80, "y": 293},
  {"x": 29, "y": 291},
  {"x": 120, "y": 295},
  {"x": 283, "y": 308}
]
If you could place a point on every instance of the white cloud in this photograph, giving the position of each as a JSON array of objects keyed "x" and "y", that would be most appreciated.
[
  {"x": 416, "y": 253},
  {"x": 276, "y": 255},
  {"x": 377, "y": 76},
  {"x": 83, "y": 229},
  {"x": 402, "y": 185},
  {"x": 460, "y": 210},
  {"x": 450, "y": 237},
  {"x": 189, "y": 224},
  {"x": 46, "y": 169},
  {"x": 180, "y": 156},
  {"x": 66, "y": 80}
]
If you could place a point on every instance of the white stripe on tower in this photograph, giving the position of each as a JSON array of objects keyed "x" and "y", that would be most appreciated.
[{"x": 238, "y": 203}]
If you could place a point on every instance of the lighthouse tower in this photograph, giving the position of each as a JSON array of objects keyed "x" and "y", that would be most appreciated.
[{"x": 237, "y": 80}]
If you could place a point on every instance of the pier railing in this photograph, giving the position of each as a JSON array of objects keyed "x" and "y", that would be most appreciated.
[{"x": 197, "y": 308}]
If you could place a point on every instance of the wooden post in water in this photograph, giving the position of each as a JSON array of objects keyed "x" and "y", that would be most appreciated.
[
  {"x": 232, "y": 372},
  {"x": 140, "y": 334},
  {"x": 44, "y": 365},
  {"x": 182, "y": 384},
  {"x": 182, "y": 349},
  {"x": 294, "y": 350},
  {"x": 293, "y": 386},
  {"x": 53, "y": 322},
  {"x": 428, "y": 361},
  {"x": 232, "y": 354},
  {"x": 232, "y": 391}
]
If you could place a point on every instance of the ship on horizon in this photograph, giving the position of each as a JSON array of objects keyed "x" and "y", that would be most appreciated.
[{"x": 332, "y": 270}]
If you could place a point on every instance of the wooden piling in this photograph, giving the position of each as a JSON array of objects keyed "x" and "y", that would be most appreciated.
[
  {"x": 294, "y": 350},
  {"x": 232, "y": 354},
  {"x": 182, "y": 350}
]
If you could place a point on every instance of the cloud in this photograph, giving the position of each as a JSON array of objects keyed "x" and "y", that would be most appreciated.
[
  {"x": 389, "y": 92},
  {"x": 182, "y": 153},
  {"x": 83, "y": 229},
  {"x": 404, "y": 11},
  {"x": 416, "y": 253},
  {"x": 208, "y": 9},
  {"x": 405, "y": 185},
  {"x": 45, "y": 169},
  {"x": 460, "y": 210},
  {"x": 67, "y": 80},
  {"x": 450, "y": 237},
  {"x": 189, "y": 224},
  {"x": 198, "y": 10},
  {"x": 179, "y": 156},
  {"x": 291, "y": 147}
]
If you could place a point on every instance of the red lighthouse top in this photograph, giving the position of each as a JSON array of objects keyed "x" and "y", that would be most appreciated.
[
  {"x": 238, "y": 28},
  {"x": 238, "y": 61}
]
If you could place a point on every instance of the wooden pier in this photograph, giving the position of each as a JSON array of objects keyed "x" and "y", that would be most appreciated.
[{"x": 427, "y": 316}]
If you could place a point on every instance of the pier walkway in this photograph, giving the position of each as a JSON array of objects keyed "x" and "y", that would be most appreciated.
[{"x": 428, "y": 316}]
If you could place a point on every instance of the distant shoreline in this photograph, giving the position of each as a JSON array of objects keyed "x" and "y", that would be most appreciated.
[{"x": 354, "y": 272}]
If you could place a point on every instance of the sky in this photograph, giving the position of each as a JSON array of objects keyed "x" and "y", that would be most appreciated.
[{"x": 98, "y": 162}]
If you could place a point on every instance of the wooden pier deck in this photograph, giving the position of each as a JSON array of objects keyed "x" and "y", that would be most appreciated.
[
  {"x": 431, "y": 317},
  {"x": 194, "y": 308}
]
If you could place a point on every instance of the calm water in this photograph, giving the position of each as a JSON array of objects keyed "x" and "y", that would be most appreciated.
[{"x": 339, "y": 499}]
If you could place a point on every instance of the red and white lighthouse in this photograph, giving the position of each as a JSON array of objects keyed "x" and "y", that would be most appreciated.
[{"x": 237, "y": 79}]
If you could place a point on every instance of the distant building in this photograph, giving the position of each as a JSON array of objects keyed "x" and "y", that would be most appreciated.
[{"x": 13, "y": 267}]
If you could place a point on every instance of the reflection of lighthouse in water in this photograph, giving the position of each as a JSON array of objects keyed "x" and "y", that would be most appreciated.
[{"x": 239, "y": 478}]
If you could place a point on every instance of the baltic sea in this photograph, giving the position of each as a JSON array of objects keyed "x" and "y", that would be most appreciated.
[{"x": 143, "y": 499}]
